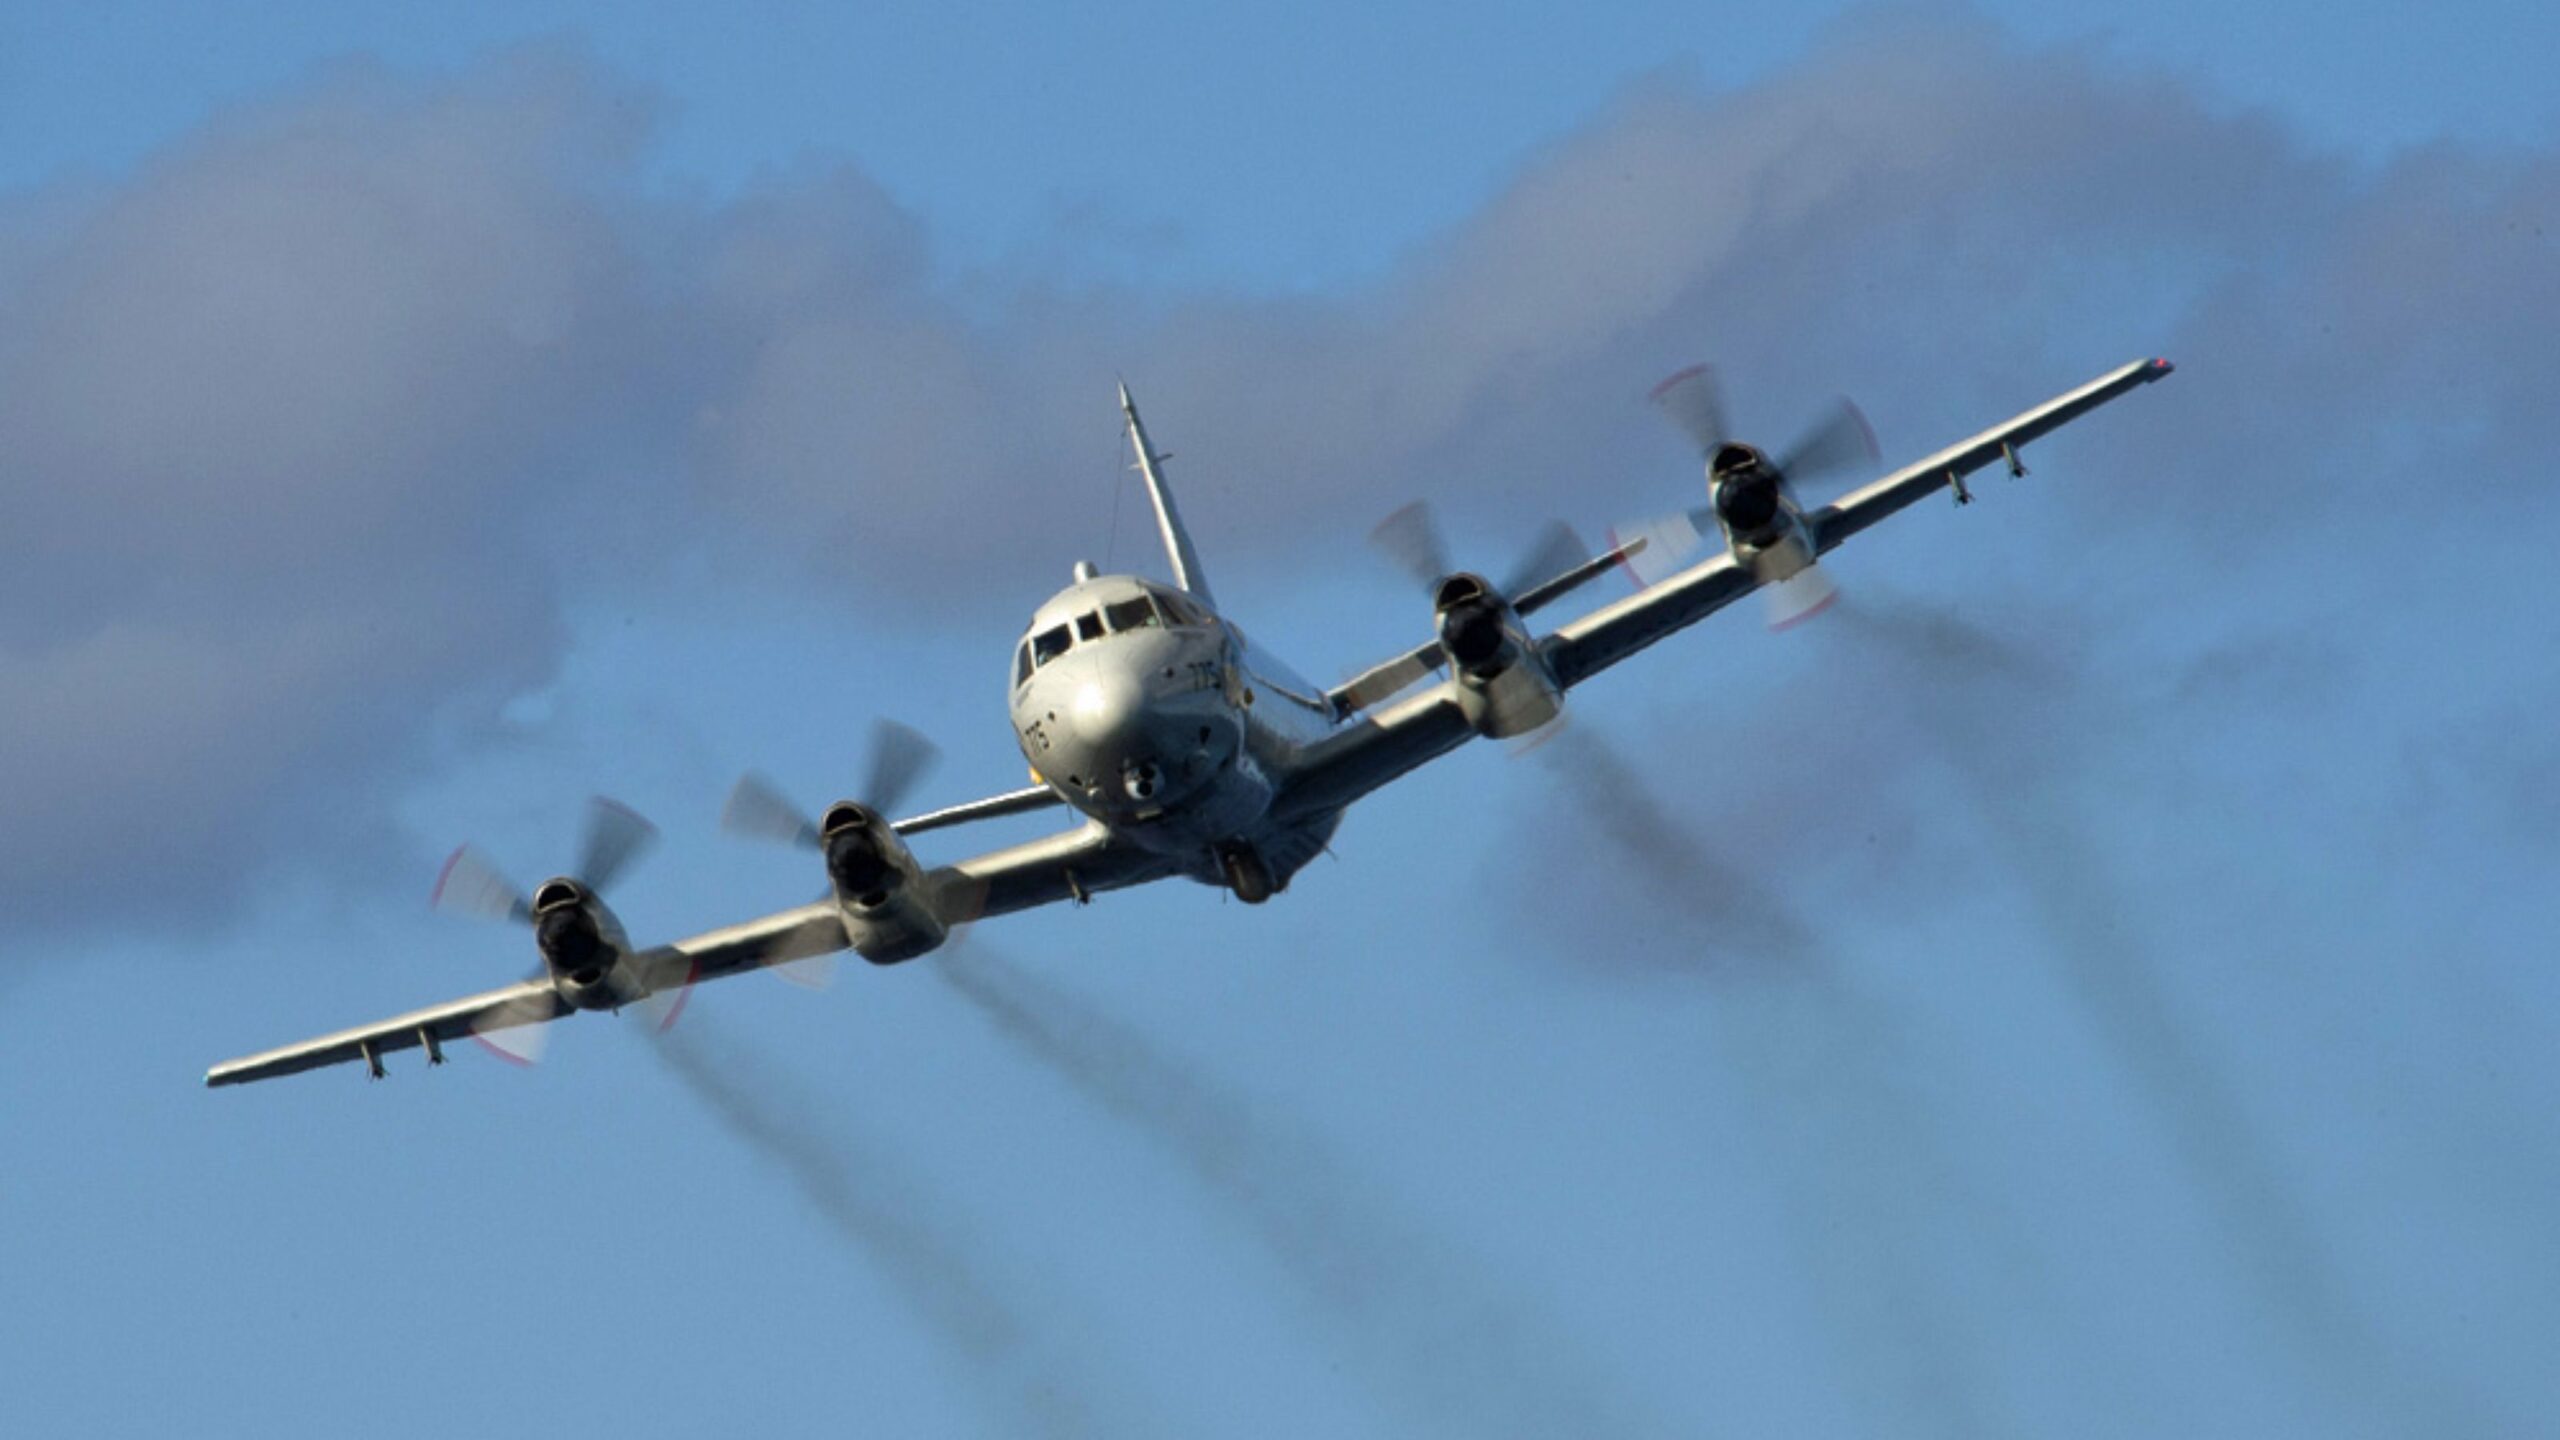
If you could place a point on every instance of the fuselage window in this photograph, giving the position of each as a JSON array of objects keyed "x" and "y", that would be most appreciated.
[
  {"x": 1048, "y": 645},
  {"x": 1132, "y": 614},
  {"x": 1089, "y": 625}
]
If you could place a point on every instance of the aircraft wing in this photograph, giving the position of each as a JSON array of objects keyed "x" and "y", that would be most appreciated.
[
  {"x": 788, "y": 935},
  {"x": 1372, "y": 750},
  {"x": 1376, "y": 748},
  {"x": 1859, "y": 509},
  {"x": 530, "y": 1003},
  {"x": 1073, "y": 865},
  {"x": 1612, "y": 633},
  {"x": 1070, "y": 865}
]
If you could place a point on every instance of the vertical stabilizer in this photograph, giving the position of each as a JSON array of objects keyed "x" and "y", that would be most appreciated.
[{"x": 1177, "y": 541}]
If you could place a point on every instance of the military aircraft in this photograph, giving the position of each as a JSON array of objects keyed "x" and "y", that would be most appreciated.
[{"x": 1185, "y": 748}]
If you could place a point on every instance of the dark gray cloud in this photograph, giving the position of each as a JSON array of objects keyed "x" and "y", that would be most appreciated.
[
  {"x": 280, "y": 413},
  {"x": 306, "y": 420}
]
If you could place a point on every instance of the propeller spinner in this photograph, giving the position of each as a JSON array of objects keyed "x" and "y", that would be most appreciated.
[
  {"x": 1751, "y": 496},
  {"x": 579, "y": 938},
  {"x": 848, "y": 837}
]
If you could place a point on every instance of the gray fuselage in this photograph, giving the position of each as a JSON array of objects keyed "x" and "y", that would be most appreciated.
[{"x": 1144, "y": 709}]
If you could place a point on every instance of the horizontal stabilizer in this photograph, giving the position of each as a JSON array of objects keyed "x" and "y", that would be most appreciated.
[{"x": 1012, "y": 802}]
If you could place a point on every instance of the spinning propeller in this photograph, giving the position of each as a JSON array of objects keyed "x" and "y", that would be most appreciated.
[
  {"x": 758, "y": 810},
  {"x": 580, "y": 940},
  {"x": 1751, "y": 496},
  {"x": 1411, "y": 538}
]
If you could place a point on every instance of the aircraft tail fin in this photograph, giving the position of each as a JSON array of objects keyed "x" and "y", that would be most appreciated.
[{"x": 1177, "y": 541}]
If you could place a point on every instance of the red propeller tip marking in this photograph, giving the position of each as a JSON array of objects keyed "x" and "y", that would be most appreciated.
[
  {"x": 1669, "y": 381},
  {"x": 1819, "y": 606},
  {"x": 445, "y": 874},
  {"x": 684, "y": 997},
  {"x": 1626, "y": 560},
  {"x": 502, "y": 1052},
  {"x": 1865, "y": 428}
]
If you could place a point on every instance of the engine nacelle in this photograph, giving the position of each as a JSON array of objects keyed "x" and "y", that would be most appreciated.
[
  {"x": 879, "y": 887},
  {"x": 582, "y": 944},
  {"x": 1750, "y": 497},
  {"x": 1503, "y": 686}
]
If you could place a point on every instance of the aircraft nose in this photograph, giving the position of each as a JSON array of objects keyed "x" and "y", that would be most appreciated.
[{"x": 1105, "y": 713}]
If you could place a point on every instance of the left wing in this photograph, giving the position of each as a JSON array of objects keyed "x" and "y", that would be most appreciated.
[
  {"x": 1377, "y": 748},
  {"x": 788, "y": 935},
  {"x": 1611, "y": 634}
]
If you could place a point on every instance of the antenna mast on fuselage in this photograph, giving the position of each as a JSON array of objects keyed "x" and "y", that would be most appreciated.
[{"x": 1177, "y": 541}]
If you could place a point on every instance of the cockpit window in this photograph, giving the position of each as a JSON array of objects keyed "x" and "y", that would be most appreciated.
[
  {"x": 1048, "y": 645},
  {"x": 1089, "y": 625},
  {"x": 1022, "y": 663},
  {"x": 1133, "y": 613},
  {"x": 1183, "y": 610}
]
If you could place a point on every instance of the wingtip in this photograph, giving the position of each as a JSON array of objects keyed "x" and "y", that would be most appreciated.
[{"x": 2162, "y": 367}]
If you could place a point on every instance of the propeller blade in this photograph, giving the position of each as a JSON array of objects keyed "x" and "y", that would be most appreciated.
[
  {"x": 1669, "y": 544},
  {"x": 1840, "y": 440},
  {"x": 1693, "y": 401},
  {"x": 758, "y": 810},
  {"x": 616, "y": 836},
  {"x": 661, "y": 1008},
  {"x": 899, "y": 758},
  {"x": 471, "y": 885},
  {"x": 1556, "y": 551},
  {"x": 1411, "y": 538},
  {"x": 1799, "y": 597},
  {"x": 515, "y": 1033}
]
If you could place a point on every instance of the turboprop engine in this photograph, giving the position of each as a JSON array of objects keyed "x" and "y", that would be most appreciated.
[
  {"x": 1750, "y": 495},
  {"x": 888, "y": 914},
  {"x": 885, "y": 897},
  {"x": 1503, "y": 687},
  {"x": 580, "y": 940}
]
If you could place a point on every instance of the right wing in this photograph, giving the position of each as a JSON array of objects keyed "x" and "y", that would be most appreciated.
[
  {"x": 1073, "y": 865},
  {"x": 530, "y": 1003},
  {"x": 787, "y": 935},
  {"x": 1070, "y": 865}
]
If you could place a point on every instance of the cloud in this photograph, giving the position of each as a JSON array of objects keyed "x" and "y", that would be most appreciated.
[
  {"x": 309, "y": 421},
  {"x": 281, "y": 416}
]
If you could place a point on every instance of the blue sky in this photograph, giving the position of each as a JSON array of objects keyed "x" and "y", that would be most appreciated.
[{"x": 2096, "y": 986}]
